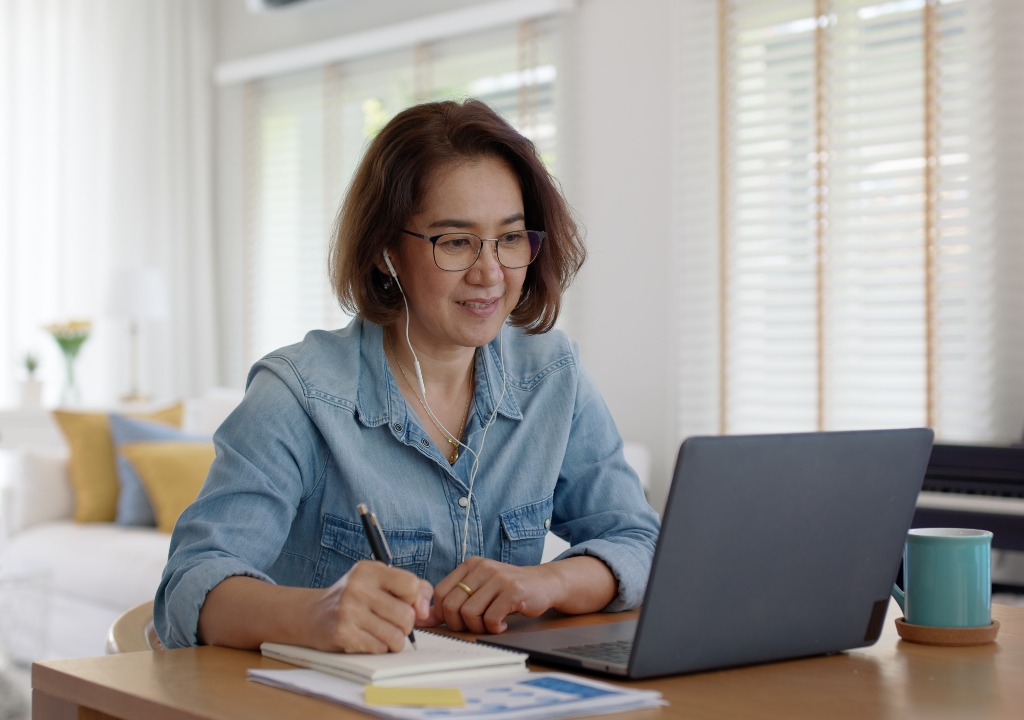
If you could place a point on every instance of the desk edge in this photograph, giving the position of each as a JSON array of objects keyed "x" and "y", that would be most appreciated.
[{"x": 65, "y": 686}]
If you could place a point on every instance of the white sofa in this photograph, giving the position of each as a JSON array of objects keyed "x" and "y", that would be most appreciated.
[
  {"x": 62, "y": 584},
  {"x": 69, "y": 582}
]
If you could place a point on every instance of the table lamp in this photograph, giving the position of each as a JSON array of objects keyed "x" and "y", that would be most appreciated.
[{"x": 138, "y": 294}]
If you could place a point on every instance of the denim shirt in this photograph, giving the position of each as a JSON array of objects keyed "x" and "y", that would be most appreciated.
[{"x": 323, "y": 427}]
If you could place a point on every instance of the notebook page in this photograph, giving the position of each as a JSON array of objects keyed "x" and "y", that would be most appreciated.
[{"x": 437, "y": 653}]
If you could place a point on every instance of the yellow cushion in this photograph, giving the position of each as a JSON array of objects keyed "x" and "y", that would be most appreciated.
[
  {"x": 91, "y": 465},
  {"x": 172, "y": 474}
]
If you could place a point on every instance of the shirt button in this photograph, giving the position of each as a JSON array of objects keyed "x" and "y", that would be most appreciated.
[
  {"x": 547, "y": 523},
  {"x": 463, "y": 501},
  {"x": 425, "y": 442},
  {"x": 398, "y": 427}
]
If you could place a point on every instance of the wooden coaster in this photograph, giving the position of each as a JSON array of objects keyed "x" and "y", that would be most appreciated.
[{"x": 949, "y": 637}]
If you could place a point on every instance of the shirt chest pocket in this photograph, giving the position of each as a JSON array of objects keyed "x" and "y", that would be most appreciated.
[
  {"x": 344, "y": 543},
  {"x": 523, "y": 530}
]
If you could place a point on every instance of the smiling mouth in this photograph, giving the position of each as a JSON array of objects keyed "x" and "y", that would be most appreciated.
[{"x": 477, "y": 305}]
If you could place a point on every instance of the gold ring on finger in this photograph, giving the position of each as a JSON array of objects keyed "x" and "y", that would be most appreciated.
[{"x": 467, "y": 588}]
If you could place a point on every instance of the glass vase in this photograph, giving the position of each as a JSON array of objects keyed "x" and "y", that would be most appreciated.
[
  {"x": 69, "y": 337},
  {"x": 71, "y": 395}
]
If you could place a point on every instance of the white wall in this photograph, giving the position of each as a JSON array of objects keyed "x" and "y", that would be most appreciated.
[
  {"x": 616, "y": 144},
  {"x": 243, "y": 33},
  {"x": 1008, "y": 115},
  {"x": 614, "y": 147}
]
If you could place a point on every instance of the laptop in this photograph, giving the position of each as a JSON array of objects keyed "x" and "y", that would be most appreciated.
[{"x": 771, "y": 547}]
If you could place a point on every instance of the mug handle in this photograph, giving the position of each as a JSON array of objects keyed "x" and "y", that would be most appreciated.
[{"x": 900, "y": 596}]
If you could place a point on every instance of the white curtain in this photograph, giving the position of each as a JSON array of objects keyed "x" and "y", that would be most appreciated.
[{"x": 105, "y": 163}]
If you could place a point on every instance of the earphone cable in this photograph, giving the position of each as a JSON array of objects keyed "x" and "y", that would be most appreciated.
[
  {"x": 483, "y": 439},
  {"x": 416, "y": 364}
]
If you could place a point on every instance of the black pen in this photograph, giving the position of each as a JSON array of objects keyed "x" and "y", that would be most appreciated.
[{"x": 378, "y": 545}]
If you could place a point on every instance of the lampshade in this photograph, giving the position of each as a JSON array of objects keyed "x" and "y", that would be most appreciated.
[{"x": 138, "y": 294}]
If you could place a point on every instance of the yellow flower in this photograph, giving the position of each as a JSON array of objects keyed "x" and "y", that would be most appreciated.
[{"x": 71, "y": 329}]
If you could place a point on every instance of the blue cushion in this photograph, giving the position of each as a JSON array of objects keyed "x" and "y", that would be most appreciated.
[{"x": 133, "y": 507}]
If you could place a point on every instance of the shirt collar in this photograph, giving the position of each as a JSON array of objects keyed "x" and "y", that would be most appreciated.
[
  {"x": 378, "y": 400},
  {"x": 489, "y": 383}
]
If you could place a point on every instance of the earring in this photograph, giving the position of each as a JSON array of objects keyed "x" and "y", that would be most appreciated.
[{"x": 387, "y": 283}]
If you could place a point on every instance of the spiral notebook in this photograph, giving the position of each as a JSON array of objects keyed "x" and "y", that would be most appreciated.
[{"x": 439, "y": 659}]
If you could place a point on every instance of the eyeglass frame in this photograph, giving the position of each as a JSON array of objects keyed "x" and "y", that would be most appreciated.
[{"x": 432, "y": 239}]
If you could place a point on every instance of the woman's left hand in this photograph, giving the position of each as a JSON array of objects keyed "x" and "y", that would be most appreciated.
[
  {"x": 574, "y": 585},
  {"x": 498, "y": 590}
]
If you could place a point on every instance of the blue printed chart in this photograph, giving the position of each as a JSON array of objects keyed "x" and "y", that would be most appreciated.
[{"x": 534, "y": 696}]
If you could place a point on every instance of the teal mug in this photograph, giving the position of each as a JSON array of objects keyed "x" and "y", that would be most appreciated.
[{"x": 946, "y": 578}]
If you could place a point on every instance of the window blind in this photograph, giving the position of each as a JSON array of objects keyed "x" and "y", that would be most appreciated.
[
  {"x": 853, "y": 221},
  {"x": 770, "y": 271},
  {"x": 910, "y": 224},
  {"x": 305, "y": 133},
  {"x": 286, "y": 286}
]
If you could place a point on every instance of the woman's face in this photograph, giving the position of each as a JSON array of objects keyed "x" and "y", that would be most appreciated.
[{"x": 464, "y": 308}]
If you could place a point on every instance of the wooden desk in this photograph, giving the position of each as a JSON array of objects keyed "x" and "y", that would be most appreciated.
[{"x": 891, "y": 679}]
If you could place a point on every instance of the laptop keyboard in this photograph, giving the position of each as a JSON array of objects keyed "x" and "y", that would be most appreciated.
[{"x": 616, "y": 652}]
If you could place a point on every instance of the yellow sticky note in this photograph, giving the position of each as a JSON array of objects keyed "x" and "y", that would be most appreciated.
[{"x": 414, "y": 696}]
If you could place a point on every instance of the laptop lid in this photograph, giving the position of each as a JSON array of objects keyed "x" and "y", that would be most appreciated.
[
  {"x": 771, "y": 547},
  {"x": 778, "y": 546}
]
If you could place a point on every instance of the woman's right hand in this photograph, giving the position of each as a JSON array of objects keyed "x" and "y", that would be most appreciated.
[{"x": 371, "y": 609}]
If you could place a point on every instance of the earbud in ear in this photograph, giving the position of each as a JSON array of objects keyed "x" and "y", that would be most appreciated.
[{"x": 387, "y": 261}]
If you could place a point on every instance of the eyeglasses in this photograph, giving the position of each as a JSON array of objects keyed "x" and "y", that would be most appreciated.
[{"x": 459, "y": 251}]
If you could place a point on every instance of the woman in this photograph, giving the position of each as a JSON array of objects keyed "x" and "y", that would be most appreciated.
[{"x": 468, "y": 438}]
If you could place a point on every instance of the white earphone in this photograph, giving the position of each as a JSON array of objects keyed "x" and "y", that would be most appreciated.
[
  {"x": 415, "y": 360},
  {"x": 426, "y": 405}
]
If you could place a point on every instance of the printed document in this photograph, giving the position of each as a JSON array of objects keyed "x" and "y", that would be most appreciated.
[{"x": 534, "y": 696}]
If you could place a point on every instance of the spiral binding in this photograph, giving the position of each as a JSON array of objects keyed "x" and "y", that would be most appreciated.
[{"x": 471, "y": 642}]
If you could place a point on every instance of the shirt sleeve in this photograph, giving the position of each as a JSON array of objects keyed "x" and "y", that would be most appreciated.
[
  {"x": 599, "y": 505},
  {"x": 269, "y": 456}
]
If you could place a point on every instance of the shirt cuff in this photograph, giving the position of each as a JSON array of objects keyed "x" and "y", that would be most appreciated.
[
  {"x": 178, "y": 623},
  {"x": 629, "y": 570}
]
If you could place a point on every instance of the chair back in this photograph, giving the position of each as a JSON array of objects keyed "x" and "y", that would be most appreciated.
[{"x": 134, "y": 631}]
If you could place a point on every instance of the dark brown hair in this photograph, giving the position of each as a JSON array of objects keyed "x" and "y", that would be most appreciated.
[{"x": 390, "y": 183}]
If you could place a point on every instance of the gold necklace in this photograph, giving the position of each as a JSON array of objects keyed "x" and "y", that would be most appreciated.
[{"x": 472, "y": 383}]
